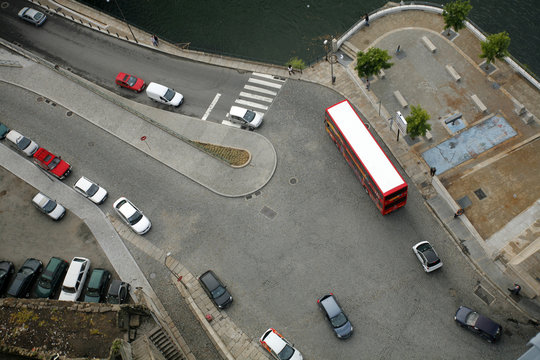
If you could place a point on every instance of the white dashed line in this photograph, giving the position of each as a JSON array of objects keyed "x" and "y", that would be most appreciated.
[{"x": 211, "y": 107}]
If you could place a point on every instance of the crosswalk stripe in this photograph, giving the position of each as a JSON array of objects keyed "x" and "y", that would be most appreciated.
[
  {"x": 265, "y": 83},
  {"x": 227, "y": 122},
  {"x": 261, "y": 90},
  {"x": 251, "y": 104},
  {"x": 268, "y": 76},
  {"x": 256, "y": 97}
]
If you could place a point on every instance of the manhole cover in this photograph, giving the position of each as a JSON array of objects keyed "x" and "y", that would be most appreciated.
[
  {"x": 269, "y": 213},
  {"x": 40, "y": 99},
  {"x": 152, "y": 275},
  {"x": 484, "y": 295},
  {"x": 480, "y": 194},
  {"x": 495, "y": 85},
  {"x": 53, "y": 104},
  {"x": 47, "y": 101},
  {"x": 69, "y": 113},
  {"x": 292, "y": 181},
  {"x": 464, "y": 202},
  {"x": 257, "y": 193},
  {"x": 4, "y": 5},
  {"x": 90, "y": 143}
]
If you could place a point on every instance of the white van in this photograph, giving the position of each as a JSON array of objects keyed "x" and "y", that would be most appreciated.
[
  {"x": 164, "y": 95},
  {"x": 75, "y": 278},
  {"x": 245, "y": 117}
]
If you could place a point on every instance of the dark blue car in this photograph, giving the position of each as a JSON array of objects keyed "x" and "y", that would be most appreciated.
[{"x": 478, "y": 324}]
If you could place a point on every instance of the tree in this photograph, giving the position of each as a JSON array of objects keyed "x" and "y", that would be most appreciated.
[
  {"x": 495, "y": 47},
  {"x": 296, "y": 63},
  {"x": 371, "y": 62},
  {"x": 417, "y": 122},
  {"x": 455, "y": 13}
]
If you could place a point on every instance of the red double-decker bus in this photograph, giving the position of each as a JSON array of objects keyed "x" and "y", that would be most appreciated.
[{"x": 377, "y": 174}]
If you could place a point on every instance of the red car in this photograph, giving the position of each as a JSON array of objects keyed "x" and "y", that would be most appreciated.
[
  {"x": 129, "y": 81},
  {"x": 52, "y": 163}
]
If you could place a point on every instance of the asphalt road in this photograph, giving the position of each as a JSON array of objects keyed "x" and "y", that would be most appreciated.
[
  {"x": 100, "y": 58},
  {"x": 325, "y": 234}
]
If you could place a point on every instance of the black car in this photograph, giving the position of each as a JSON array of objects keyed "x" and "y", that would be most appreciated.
[
  {"x": 51, "y": 277},
  {"x": 118, "y": 292},
  {"x": 335, "y": 315},
  {"x": 481, "y": 325},
  {"x": 97, "y": 285},
  {"x": 215, "y": 289},
  {"x": 6, "y": 270},
  {"x": 22, "y": 284}
]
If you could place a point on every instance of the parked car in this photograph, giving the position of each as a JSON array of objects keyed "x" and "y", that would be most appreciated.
[
  {"x": 3, "y": 131},
  {"x": 245, "y": 117},
  {"x": 97, "y": 285},
  {"x": 6, "y": 271},
  {"x": 164, "y": 95},
  {"x": 130, "y": 82},
  {"x": 48, "y": 206},
  {"x": 478, "y": 324},
  {"x": 33, "y": 16},
  {"x": 118, "y": 292},
  {"x": 51, "y": 278},
  {"x": 335, "y": 316},
  {"x": 52, "y": 163},
  {"x": 27, "y": 274},
  {"x": 132, "y": 216},
  {"x": 27, "y": 146},
  {"x": 278, "y": 346},
  {"x": 91, "y": 190},
  {"x": 215, "y": 289},
  {"x": 75, "y": 278},
  {"x": 428, "y": 257}
]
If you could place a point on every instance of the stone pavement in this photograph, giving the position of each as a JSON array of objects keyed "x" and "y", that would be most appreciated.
[{"x": 498, "y": 234}]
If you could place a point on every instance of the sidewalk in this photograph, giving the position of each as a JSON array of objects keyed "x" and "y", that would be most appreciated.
[{"x": 441, "y": 192}]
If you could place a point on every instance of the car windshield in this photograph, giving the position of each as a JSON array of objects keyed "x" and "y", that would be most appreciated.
[
  {"x": 92, "y": 189},
  {"x": 111, "y": 299},
  {"x": 53, "y": 163},
  {"x": 339, "y": 320},
  {"x": 68, "y": 289},
  {"x": 249, "y": 116},
  {"x": 45, "y": 283},
  {"x": 23, "y": 143},
  {"x": 169, "y": 95},
  {"x": 217, "y": 292},
  {"x": 132, "y": 80},
  {"x": 424, "y": 247},
  {"x": 286, "y": 353},
  {"x": 92, "y": 292},
  {"x": 27, "y": 271},
  {"x": 471, "y": 318},
  {"x": 133, "y": 219},
  {"x": 49, "y": 206},
  {"x": 38, "y": 16}
]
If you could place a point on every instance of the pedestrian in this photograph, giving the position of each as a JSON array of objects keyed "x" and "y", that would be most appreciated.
[
  {"x": 459, "y": 213},
  {"x": 366, "y": 17},
  {"x": 291, "y": 71},
  {"x": 367, "y": 84},
  {"x": 515, "y": 290},
  {"x": 155, "y": 40}
]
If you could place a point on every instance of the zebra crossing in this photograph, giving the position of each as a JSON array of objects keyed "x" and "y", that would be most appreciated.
[{"x": 258, "y": 94}]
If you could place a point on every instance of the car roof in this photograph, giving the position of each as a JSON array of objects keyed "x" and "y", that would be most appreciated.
[
  {"x": 209, "y": 279},
  {"x": 53, "y": 263},
  {"x": 275, "y": 342},
  {"x": 83, "y": 183},
  {"x": 238, "y": 111},
  {"x": 331, "y": 306},
  {"x": 40, "y": 199},
  {"x": 96, "y": 276}
]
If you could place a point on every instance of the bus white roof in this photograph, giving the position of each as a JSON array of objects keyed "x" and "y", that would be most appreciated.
[{"x": 367, "y": 149}]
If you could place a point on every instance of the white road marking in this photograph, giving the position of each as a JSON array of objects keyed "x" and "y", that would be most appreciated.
[
  {"x": 211, "y": 107},
  {"x": 256, "y": 97},
  {"x": 268, "y": 77},
  {"x": 261, "y": 90},
  {"x": 251, "y": 104},
  {"x": 265, "y": 83},
  {"x": 227, "y": 122}
]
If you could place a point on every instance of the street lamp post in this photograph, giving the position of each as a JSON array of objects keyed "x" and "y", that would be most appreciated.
[
  {"x": 178, "y": 277},
  {"x": 129, "y": 27},
  {"x": 330, "y": 59}
]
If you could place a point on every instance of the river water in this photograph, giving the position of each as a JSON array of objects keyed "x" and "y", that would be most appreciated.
[{"x": 276, "y": 30}]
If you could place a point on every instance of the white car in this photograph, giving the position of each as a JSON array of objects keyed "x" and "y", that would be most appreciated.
[
  {"x": 278, "y": 346},
  {"x": 75, "y": 278},
  {"x": 428, "y": 257},
  {"x": 245, "y": 117},
  {"x": 33, "y": 16},
  {"x": 22, "y": 143},
  {"x": 48, "y": 206},
  {"x": 91, "y": 190},
  {"x": 132, "y": 216}
]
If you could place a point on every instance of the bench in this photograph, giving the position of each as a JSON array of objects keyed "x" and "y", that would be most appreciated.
[
  {"x": 519, "y": 108},
  {"x": 382, "y": 75},
  {"x": 528, "y": 118},
  {"x": 453, "y": 118},
  {"x": 479, "y": 103},
  {"x": 429, "y": 44},
  {"x": 429, "y": 137},
  {"x": 453, "y": 73},
  {"x": 401, "y": 100}
]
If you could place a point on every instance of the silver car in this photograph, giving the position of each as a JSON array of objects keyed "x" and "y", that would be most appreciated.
[
  {"x": 33, "y": 16},
  {"x": 50, "y": 207}
]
